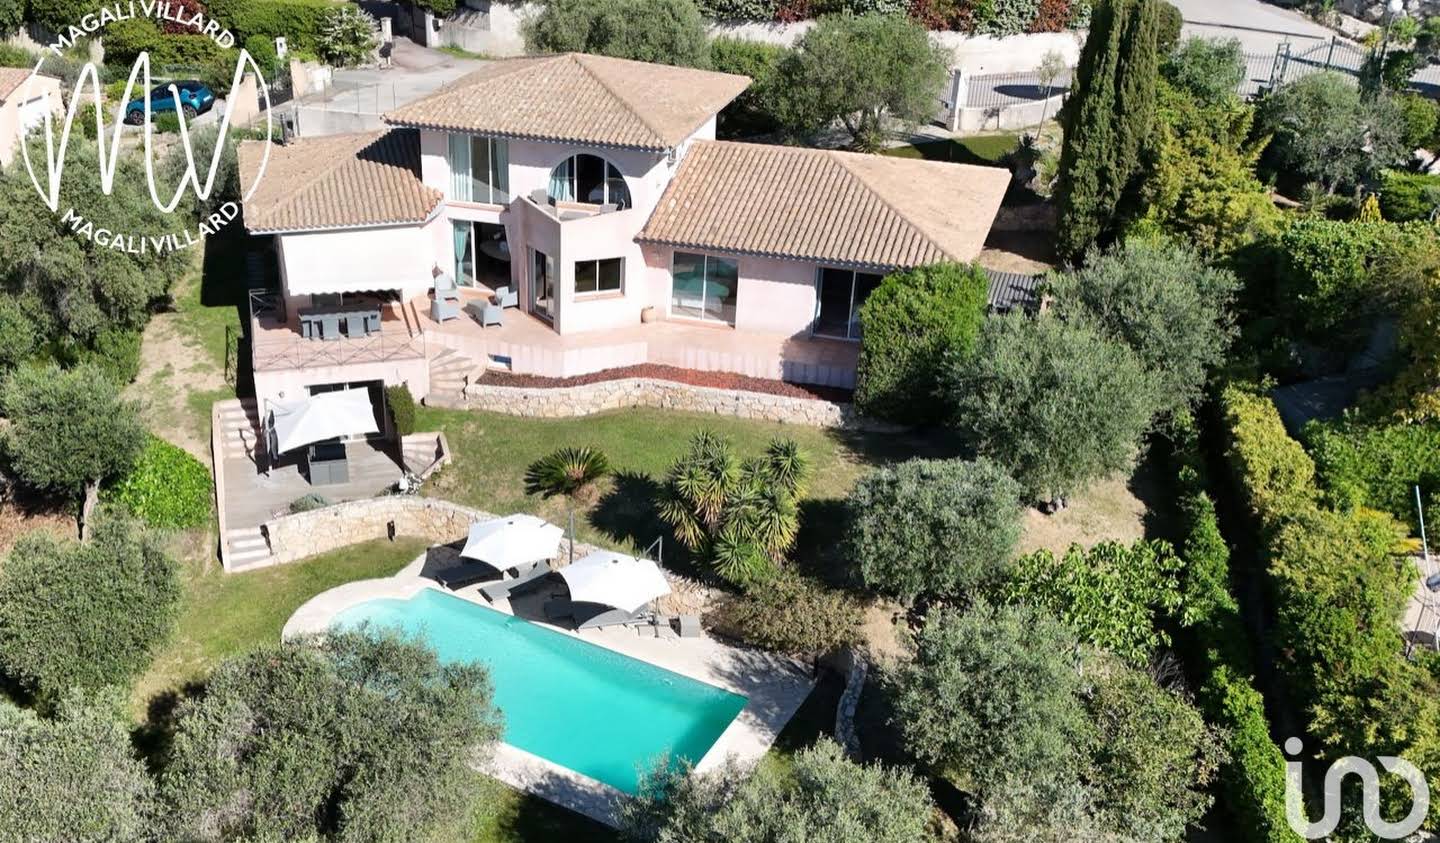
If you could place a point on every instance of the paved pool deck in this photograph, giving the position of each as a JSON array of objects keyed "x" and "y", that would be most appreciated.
[{"x": 774, "y": 687}]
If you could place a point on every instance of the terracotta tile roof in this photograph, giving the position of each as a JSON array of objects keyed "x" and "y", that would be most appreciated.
[
  {"x": 337, "y": 181},
  {"x": 824, "y": 205},
  {"x": 577, "y": 98},
  {"x": 11, "y": 78}
]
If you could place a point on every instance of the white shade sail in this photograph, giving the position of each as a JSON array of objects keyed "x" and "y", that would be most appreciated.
[
  {"x": 512, "y": 540},
  {"x": 328, "y": 415},
  {"x": 614, "y": 579}
]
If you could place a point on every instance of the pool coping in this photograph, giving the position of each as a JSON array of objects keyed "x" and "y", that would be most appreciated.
[{"x": 774, "y": 686}]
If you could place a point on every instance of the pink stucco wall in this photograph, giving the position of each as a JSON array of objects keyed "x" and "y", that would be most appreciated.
[{"x": 290, "y": 384}]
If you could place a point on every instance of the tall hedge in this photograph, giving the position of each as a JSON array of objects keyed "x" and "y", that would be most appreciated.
[
  {"x": 1253, "y": 779},
  {"x": 910, "y": 326},
  {"x": 297, "y": 21}
]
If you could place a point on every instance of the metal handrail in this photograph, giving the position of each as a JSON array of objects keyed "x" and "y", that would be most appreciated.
[{"x": 297, "y": 352}]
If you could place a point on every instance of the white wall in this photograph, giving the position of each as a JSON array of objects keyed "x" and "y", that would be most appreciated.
[{"x": 290, "y": 384}]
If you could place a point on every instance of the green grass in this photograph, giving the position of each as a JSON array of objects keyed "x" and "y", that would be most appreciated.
[
  {"x": 228, "y": 614},
  {"x": 985, "y": 150},
  {"x": 209, "y": 303},
  {"x": 492, "y": 452},
  {"x": 462, "y": 53}
]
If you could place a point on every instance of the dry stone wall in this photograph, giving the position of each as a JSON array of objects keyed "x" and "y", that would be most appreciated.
[{"x": 570, "y": 401}]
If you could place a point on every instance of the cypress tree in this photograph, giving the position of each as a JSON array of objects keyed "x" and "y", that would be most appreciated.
[{"x": 1108, "y": 123}]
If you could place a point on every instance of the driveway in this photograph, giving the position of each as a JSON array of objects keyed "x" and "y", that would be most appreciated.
[
  {"x": 1260, "y": 27},
  {"x": 358, "y": 96}
]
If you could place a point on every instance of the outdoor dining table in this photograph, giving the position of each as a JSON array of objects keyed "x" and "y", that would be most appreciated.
[{"x": 324, "y": 321}]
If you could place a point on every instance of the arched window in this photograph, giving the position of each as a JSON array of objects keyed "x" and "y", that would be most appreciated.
[{"x": 589, "y": 179}]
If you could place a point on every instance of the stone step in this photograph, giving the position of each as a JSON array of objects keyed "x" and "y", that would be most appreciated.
[{"x": 246, "y": 548}]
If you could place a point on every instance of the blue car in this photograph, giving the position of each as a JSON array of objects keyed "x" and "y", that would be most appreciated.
[{"x": 195, "y": 98}]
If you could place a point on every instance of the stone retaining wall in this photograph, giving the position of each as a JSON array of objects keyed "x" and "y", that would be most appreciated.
[
  {"x": 305, "y": 534},
  {"x": 570, "y": 401}
]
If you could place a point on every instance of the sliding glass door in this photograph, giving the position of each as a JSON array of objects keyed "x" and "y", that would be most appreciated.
[
  {"x": 839, "y": 293},
  {"x": 704, "y": 287}
]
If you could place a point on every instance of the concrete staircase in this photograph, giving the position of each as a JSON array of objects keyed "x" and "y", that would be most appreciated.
[
  {"x": 242, "y": 441},
  {"x": 450, "y": 374}
]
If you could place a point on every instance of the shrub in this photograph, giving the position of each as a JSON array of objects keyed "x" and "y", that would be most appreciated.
[
  {"x": 167, "y": 488},
  {"x": 1006, "y": 17},
  {"x": 1210, "y": 69},
  {"x": 1420, "y": 115},
  {"x": 116, "y": 352},
  {"x": 911, "y": 325},
  {"x": 754, "y": 111},
  {"x": 933, "y": 527},
  {"x": 402, "y": 408},
  {"x": 739, "y": 516},
  {"x": 739, "y": 10},
  {"x": 790, "y": 614},
  {"x": 1376, "y": 466},
  {"x": 1315, "y": 121},
  {"x": 1409, "y": 196},
  {"x": 262, "y": 49},
  {"x": 18, "y": 335},
  {"x": 12, "y": 55},
  {"x": 821, "y": 796},
  {"x": 306, "y": 503},
  {"x": 1323, "y": 270},
  {"x": 346, "y": 37},
  {"x": 1112, "y": 596},
  {"x": 298, "y": 21},
  {"x": 167, "y": 122},
  {"x": 662, "y": 31},
  {"x": 85, "y": 615}
]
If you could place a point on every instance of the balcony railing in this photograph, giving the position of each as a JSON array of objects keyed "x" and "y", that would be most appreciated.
[{"x": 297, "y": 352}]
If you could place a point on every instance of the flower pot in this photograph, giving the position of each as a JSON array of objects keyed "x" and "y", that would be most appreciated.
[{"x": 647, "y": 314}]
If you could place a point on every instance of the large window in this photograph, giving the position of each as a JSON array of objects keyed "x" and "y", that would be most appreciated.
[
  {"x": 589, "y": 179},
  {"x": 704, "y": 287},
  {"x": 838, "y": 296},
  {"x": 602, "y": 276},
  {"x": 479, "y": 169}
]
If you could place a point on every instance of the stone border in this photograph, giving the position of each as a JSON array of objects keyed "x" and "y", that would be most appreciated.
[
  {"x": 556, "y": 402},
  {"x": 775, "y": 686}
]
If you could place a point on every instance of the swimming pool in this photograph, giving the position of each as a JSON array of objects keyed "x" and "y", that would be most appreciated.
[{"x": 581, "y": 706}]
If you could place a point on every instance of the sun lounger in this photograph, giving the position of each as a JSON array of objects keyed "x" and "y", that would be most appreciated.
[
  {"x": 505, "y": 589},
  {"x": 559, "y": 609},
  {"x": 458, "y": 578},
  {"x": 612, "y": 617}
]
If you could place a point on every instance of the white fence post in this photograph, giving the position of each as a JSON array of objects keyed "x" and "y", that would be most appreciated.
[{"x": 959, "y": 95}]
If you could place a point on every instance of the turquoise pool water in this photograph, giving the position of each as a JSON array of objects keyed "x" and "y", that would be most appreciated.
[{"x": 568, "y": 701}]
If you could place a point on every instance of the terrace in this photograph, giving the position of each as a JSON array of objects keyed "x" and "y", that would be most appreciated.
[
  {"x": 525, "y": 344},
  {"x": 365, "y": 329}
]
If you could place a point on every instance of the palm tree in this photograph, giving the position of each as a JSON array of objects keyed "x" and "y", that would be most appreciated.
[
  {"x": 573, "y": 473},
  {"x": 742, "y": 517}
]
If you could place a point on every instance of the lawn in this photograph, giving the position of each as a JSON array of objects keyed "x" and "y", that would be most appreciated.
[
  {"x": 492, "y": 452},
  {"x": 985, "y": 150}
]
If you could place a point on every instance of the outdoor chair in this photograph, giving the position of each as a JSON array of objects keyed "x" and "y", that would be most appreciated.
[
  {"x": 506, "y": 297},
  {"x": 485, "y": 313},
  {"x": 355, "y": 326},
  {"x": 447, "y": 299}
]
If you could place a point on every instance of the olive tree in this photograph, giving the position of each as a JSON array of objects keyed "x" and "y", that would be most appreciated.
[
  {"x": 933, "y": 527},
  {"x": 73, "y": 776},
  {"x": 860, "y": 70},
  {"x": 1057, "y": 403},
  {"x": 823, "y": 798},
  {"x": 1163, "y": 301},
  {"x": 86, "y": 615},
  {"x": 359, "y": 735},
  {"x": 1325, "y": 131},
  {"x": 69, "y": 430}
]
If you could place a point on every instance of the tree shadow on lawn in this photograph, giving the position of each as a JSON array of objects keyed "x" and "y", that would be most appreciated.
[
  {"x": 819, "y": 551},
  {"x": 153, "y": 737},
  {"x": 877, "y": 448}
]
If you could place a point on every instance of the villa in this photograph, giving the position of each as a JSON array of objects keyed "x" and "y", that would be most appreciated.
[{"x": 562, "y": 215}]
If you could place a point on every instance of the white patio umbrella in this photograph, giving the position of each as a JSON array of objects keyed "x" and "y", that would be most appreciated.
[
  {"x": 513, "y": 540},
  {"x": 614, "y": 579},
  {"x": 328, "y": 415}
]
